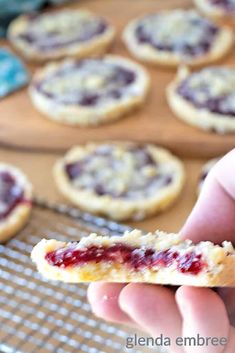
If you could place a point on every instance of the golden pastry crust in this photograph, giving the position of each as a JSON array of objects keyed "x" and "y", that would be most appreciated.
[
  {"x": 75, "y": 114},
  {"x": 219, "y": 269},
  {"x": 186, "y": 111},
  {"x": 97, "y": 45},
  {"x": 216, "y": 13},
  {"x": 20, "y": 214},
  {"x": 146, "y": 53},
  {"x": 118, "y": 208}
]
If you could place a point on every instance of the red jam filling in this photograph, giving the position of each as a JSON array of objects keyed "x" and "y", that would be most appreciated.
[
  {"x": 11, "y": 194},
  {"x": 134, "y": 258}
]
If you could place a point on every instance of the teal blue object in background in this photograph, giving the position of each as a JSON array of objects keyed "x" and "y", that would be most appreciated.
[
  {"x": 9, "y": 9},
  {"x": 13, "y": 74}
]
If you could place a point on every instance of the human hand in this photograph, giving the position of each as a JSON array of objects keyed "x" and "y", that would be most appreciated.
[{"x": 188, "y": 311}]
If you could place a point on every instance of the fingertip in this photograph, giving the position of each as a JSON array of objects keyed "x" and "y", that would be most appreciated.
[
  {"x": 104, "y": 300},
  {"x": 203, "y": 312},
  {"x": 151, "y": 306}
]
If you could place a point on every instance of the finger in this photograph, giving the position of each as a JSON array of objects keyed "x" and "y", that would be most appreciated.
[
  {"x": 203, "y": 313},
  {"x": 104, "y": 301},
  {"x": 154, "y": 308},
  {"x": 231, "y": 342},
  {"x": 213, "y": 215},
  {"x": 228, "y": 295}
]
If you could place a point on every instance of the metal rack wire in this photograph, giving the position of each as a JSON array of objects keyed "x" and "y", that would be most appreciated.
[{"x": 37, "y": 316}]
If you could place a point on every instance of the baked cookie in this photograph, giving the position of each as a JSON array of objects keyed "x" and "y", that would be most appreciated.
[
  {"x": 15, "y": 200},
  {"x": 89, "y": 91},
  {"x": 205, "y": 171},
  {"x": 135, "y": 257},
  {"x": 205, "y": 98},
  {"x": 220, "y": 11},
  {"x": 54, "y": 35},
  {"x": 178, "y": 36},
  {"x": 120, "y": 180}
]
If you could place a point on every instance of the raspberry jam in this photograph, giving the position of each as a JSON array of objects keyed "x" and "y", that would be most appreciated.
[
  {"x": 54, "y": 38},
  {"x": 134, "y": 258},
  {"x": 228, "y": 5},
  {"x": 198, "y": 89},
  {"x": 117, "y": 81},
  {"x": 11, "y": 194},
  {"x": 179, "y": 43},
  {"x": 97, "y": 171}
]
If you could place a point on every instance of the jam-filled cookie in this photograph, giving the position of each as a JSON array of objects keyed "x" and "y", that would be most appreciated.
[
  {"x": 205, "y": 171},
  {"x": 62, "y": 33},
  {"x": 136, "y": 257},
  {"x": 220, "y": 11},
  {"x": 120, "y": 180},
  {"x": 178, "y": 36},
  {"x": 15, "y": 201},
  {"x": 205, "y": 98},
  {"x": 89, "y": 91}
]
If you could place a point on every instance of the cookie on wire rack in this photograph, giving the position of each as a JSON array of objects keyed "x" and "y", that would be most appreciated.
[
  {"x": 57, "y": 34},
  {"x": 158, "y": 257},
  {"x": 121, "y": 180},
  {"x": 173, "y": 37},
  {"x": 15, "y": 200}
]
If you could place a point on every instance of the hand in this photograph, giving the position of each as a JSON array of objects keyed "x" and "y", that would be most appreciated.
[{"x": 188, "y": 311}]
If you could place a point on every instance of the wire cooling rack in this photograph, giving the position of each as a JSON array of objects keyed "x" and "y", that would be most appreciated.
[{"x": 40, "y": 316}]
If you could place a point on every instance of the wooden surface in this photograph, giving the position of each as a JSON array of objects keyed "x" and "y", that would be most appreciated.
[
  {"x": 38, "y": 167},
  {"x": 22, "y": 126}
]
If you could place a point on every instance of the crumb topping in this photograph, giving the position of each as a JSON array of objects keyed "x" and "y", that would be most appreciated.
[
  {"x": 91, "y": 82},
  {"x": 212, "y": 89},
  {"x": 131, "y": 172},
  {"x": 181, "y": 31},
  {"x": 54, "y": 30}
]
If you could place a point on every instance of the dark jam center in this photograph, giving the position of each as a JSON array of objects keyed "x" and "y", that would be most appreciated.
[
  {"x": 219, "y": 104},
  {"x": 182, "y": 45},
  {"x": 142, "y": 159},
  {"x": 11, "y": 194},
  {"x": 228, "y": 5},
  {"x": 133, "y": 258},
  {"x": 53, "y": 39},
  {"x": 117, "y": 81}
]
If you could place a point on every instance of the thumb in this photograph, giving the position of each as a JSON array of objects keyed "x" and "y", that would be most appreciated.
[{"x": 213, "y": 215}]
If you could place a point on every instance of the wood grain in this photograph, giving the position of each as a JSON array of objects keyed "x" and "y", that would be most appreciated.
[{"x": 22, "y": 126}]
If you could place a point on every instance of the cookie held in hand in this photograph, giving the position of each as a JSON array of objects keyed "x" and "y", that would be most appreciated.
[{"x": 136, "y": 257}]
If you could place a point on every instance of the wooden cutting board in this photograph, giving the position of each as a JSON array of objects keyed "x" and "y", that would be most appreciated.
[{"x": 22, "y": 126}]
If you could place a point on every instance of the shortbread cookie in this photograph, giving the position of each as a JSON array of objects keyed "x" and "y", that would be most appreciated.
[
  {"x": 205, "y": 171},
  {"x": 220, "y": 11},
  {"x": 136, "y": 257},
  {"x": 89, "y": 91},
  {"x": 178, "y": 36},
  {"x": 62, "y": 33},
  {"x": 15, "y": 200},
  {"x": 205, "y": 98},
  {"x": 120, "y": 180}
]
